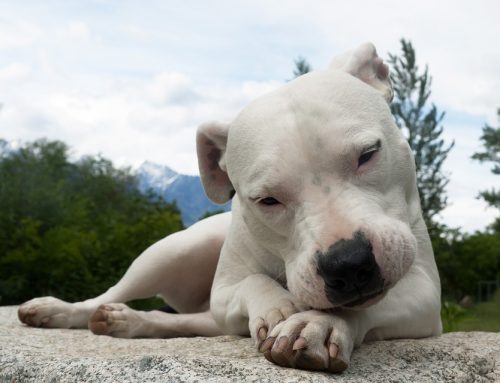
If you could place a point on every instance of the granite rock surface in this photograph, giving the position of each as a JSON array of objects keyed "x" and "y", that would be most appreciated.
[{"x": 48, "y": 355}]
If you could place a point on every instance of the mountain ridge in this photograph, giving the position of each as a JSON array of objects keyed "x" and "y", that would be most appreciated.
[{"x": 186, "y": 190}]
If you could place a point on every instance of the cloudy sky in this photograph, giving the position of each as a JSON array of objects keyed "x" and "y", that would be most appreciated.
[{"x": 133, "y": 79}]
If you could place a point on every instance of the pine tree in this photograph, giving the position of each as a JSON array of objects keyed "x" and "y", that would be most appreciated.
[
  {"x": 301, "y": 67},
  {"x": 421, "y": 124},
  {"x": 491, "y": 142}
]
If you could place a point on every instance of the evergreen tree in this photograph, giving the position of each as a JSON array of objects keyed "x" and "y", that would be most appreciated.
[
  {"x": 301, "y": 67},
  {"x": 491, "y": 142},
  {"x": 421, "y": 124}
]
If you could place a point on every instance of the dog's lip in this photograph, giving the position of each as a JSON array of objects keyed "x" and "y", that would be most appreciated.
[{"x": 363, "y": 299}]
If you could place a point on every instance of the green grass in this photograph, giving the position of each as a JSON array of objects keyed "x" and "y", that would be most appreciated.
[{"x": 481, "y": 317}]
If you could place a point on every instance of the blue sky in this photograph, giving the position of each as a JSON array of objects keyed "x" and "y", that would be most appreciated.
[{"x": 132, "y": 80}]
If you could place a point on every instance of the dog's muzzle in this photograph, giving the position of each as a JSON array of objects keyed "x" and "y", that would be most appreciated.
[{"x": 351, "y": 274}]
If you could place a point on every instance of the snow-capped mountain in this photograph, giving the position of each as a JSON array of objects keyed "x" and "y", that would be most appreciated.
[{"x": 186, "y": 190}]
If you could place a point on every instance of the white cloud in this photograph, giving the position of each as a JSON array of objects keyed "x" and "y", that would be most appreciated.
[
  {"x": 171, "y": 88},
  {"x": 469, "y": 214},
  {"x": 136, "y": 32},
  {"x": 458, "y": 40},
  {"x": 135, "y": 86},
  {"x": 15, "y": 34},
  {"x": 129, "y": 121},
  {"x": 15, "y": 72},
  {"x": 78, "y": 30}
]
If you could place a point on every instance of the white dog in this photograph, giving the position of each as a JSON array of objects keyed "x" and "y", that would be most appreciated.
[{"x": 325, "y": 247}]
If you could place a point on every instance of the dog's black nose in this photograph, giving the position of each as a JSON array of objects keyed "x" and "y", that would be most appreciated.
[{"x": 350, "y": 271}]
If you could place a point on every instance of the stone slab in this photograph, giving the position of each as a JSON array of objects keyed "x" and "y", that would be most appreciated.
[{"x": 48, "y": 355}]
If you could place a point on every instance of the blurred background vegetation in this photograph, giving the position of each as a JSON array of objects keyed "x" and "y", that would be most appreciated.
[{"x": 70, "y": 228}]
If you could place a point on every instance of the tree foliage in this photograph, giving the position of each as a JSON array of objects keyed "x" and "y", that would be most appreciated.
[
  {"x": 464, "y": 260},
  {"x": 491, "y": 153},
  {"x": 71, "y": 229},
  {"x": 421, "y": 124},
  {"x": 301, "y": 67}
]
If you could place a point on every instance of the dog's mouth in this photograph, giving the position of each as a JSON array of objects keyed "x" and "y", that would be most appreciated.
[{"x": 365, "y": 300}]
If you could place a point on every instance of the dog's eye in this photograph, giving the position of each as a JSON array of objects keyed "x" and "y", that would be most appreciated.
[
  {"x": 368, "y": 153},
  {"x": 365, "y": 157},
  {"x": 269, "y": 201}
]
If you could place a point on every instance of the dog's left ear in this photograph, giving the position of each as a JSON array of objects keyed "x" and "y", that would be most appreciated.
[
  {"x": 364, "y": 64},
  {"x": 211, "y": 141}
]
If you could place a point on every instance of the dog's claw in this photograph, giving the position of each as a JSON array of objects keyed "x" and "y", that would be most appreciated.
[
  {"x": 262, "y": 333},
  {"x": 267, "y": 344},
  {"x": 336, "y": 362},
  {"x": 333, "y": 350},
  {"x": 300, "y": 344},
  {"x": 282, "y": 344}
]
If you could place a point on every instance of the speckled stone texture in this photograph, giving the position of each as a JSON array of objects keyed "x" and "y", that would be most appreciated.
[{"x": 42, "y": 355}]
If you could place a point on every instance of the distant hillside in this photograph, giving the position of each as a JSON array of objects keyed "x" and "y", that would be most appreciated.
[{"x": 186, "y": 190}]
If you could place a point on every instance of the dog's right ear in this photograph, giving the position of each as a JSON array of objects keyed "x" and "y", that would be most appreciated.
[
  {"x": 364, "y": 63},
  {"x": 211, "y": 141}
]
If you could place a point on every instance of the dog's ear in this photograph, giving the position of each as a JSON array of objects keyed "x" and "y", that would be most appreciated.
[
  {"x": 364, "y": 64},
  {"x": 211, "y": 140}
]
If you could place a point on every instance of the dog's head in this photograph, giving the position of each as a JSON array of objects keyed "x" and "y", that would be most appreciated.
[{"x": 323, "y": 179}]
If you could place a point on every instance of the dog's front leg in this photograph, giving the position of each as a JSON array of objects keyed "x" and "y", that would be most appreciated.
[
  {"x": 254, "y": 305},
  {"x": 244, "y": 301}
]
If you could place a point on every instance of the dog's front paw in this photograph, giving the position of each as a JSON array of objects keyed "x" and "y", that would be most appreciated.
[
  {"x": 261, "y": 325},
  {"x": 311, "y": 340}
]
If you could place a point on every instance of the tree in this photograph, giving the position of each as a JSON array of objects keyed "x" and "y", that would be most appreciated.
[
  {"x": 491, "y": 142},
  {"x": 3, "y": 146},
  {"x": 71, "y": 229},
  {"x": 466, "y": 259},
  {"x": 421, "y": 124},
  {"x": 301, "y": 67}
]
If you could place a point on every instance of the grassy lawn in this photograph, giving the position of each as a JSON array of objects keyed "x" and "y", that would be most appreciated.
[{"x": 481, "y": 317}]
